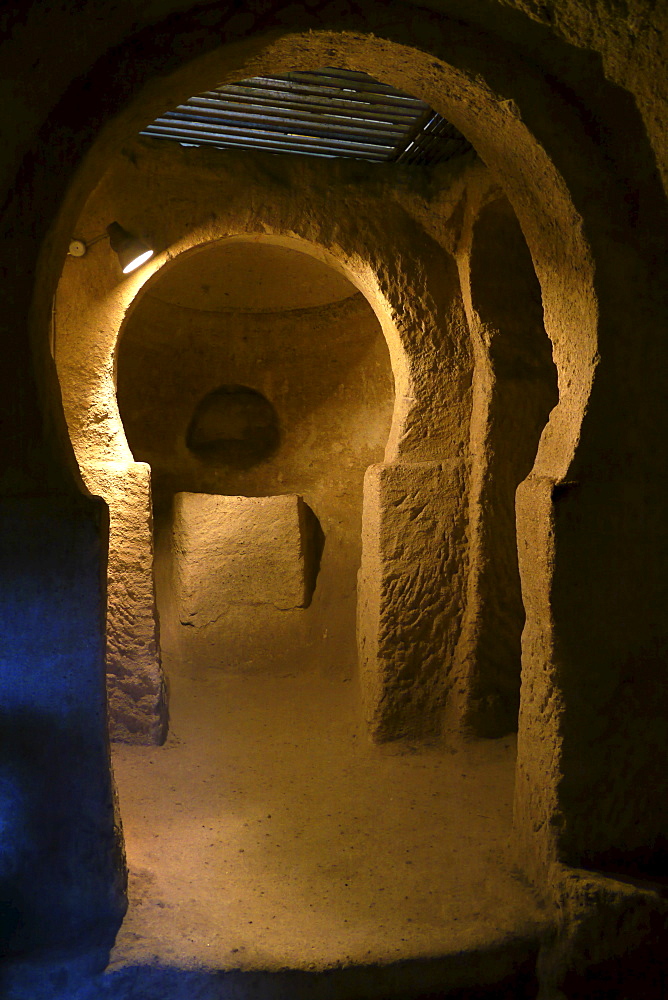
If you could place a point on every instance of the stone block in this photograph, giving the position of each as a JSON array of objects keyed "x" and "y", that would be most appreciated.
[{"x": 251, "y": 551}]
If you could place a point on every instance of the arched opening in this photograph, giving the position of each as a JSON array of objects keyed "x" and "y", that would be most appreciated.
[
  {"x": 563, "y": 264},
  {"x": 253, "y": 370},
  {"x": 200, "y": 363},
  {"x": 513, "y": 393},
  {"x": 425, "y": 332},
  {"x": 565, "y": 105}
]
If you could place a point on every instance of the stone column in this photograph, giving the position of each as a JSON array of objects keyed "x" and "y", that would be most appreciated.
[
  {"x": 411, "y": 585},
  {"x": 135, "y": 684}
]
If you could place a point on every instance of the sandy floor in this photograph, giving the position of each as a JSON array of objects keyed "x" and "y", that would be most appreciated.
[{"x": 269, "y": 834}]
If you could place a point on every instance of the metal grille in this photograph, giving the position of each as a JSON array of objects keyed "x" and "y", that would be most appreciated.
[{"x": 329, "y": 112}]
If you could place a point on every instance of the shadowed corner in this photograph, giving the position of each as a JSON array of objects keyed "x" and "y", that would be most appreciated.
[
  {"x": 314, "y": 543},
  {"x": 507, "y": 974},
  {"x": 60, "y": 877}
]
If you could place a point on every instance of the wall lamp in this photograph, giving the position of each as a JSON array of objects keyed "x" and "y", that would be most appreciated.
[{"x": 131, "y": 252}]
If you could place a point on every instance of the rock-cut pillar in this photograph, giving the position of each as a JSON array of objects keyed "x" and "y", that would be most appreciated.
[
  {"x": 410, "y": 594},
  {"x": 135, "y": 683}
]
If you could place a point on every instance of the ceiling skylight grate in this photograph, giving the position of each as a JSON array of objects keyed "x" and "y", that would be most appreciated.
[{"x": 329, "y": 112}]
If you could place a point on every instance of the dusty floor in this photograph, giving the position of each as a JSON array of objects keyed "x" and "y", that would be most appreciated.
[{"x": 269, "y": 834}]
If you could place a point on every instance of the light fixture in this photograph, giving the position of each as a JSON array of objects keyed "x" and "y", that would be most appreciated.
[{"x": 131, "y": 252}]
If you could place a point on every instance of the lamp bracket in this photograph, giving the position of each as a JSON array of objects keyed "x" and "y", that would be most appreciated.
[{"x": 77, "y": 248}]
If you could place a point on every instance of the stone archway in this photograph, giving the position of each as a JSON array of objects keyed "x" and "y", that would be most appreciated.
[
  {"x": 414, "y": 291},
  {"x": 540, "y": 152},
  {"x": 488, "y": 115}
]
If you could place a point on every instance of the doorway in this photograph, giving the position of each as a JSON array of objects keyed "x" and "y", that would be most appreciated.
[{"x": 287, "y": 741}]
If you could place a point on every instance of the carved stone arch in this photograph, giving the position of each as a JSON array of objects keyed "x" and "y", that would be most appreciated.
[
  {"x": 508, "y": 112},
  {"x": 594, "y": 480},
  {"x": 412, "y": 285}
]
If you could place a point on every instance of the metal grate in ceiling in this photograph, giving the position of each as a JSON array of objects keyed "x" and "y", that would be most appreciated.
[{"x": 328, "y": 112}]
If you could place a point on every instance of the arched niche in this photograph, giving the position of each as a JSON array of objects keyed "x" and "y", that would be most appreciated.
[{"x": 251, "y": 373}]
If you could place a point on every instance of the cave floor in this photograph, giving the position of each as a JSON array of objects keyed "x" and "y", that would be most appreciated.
[{"x": 268, "y": 836}]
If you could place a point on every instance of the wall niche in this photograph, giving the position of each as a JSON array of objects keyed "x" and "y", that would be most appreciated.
[{"x": 278, "y": 385}]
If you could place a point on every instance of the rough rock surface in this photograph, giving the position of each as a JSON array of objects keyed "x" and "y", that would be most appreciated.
[
  {"x": 56, "y": 795},
  {"x": 414, "y": 540},
  {"x": 470, "y": 358},
  {"x": 514, "y": 389},
  {"x": 239, "y": 550},
  {"x": 243, "y": 569},
  {"x": 135, "y": 686}
]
